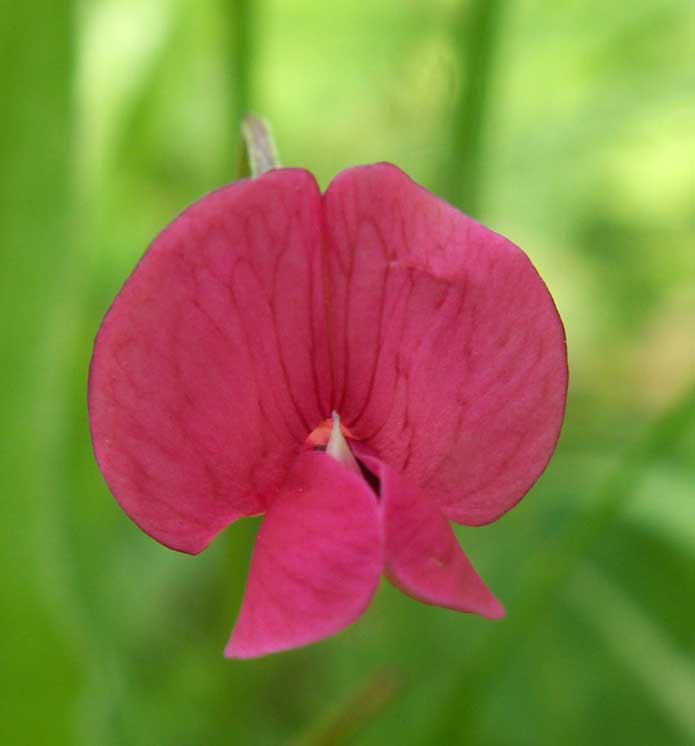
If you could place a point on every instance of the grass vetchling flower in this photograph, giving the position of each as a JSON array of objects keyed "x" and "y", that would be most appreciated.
[{"x": 361, "y": 366}]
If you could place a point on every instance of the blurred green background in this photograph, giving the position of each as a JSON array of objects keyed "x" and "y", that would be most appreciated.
[{"x": 567, "y": 127}]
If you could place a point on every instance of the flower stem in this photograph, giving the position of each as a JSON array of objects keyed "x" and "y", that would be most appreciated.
[{"x": 260, "y": 152}]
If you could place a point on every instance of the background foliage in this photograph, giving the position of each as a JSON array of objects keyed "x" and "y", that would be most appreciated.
[{"x": 566, "y": 126}]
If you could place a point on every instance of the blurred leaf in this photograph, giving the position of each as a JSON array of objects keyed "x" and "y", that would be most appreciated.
[{"x": 551, "y": 569}]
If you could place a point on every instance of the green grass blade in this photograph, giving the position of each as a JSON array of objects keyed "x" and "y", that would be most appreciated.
[{"x": 638, "y": 643}]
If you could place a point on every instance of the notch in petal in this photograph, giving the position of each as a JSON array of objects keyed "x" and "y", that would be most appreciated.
[{"x": 316, "y": 563}]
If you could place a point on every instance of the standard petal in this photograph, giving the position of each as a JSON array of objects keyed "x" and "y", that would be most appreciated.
[
  {"x": 449, "y": 357},
  {"x": 206, "y": 376},
  {"x": 316, "y": 563},
  {"x": 421, "y": 553}
]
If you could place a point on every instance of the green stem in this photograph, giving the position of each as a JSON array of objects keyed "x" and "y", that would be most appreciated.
[
  {"x": 462, "y": 168},
  {"x": 550, "y": 571},
  {"x": 341, "y": 722}
]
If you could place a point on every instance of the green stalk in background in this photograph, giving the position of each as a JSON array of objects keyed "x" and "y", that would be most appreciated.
[
  {"x": 462, "y": 167},
  {"x": 237, "y": 20},
  {"x": 37, "y": 43}
]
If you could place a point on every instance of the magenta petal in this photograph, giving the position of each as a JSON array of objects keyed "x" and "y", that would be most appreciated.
[
  {"x": 316, "y": 563},
  {"x": 422, "y": 554},
  {"x": 206, "y": 376},
  {"x": 449, "y": 356}
]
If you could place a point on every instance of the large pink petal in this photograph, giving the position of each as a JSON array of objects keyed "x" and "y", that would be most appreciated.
[
  {"x": 449, "y": 357},
  {"x": 421, "y": 553},
  {"x": 206, "y": 376},
  {"x": 317, "y": 560}
]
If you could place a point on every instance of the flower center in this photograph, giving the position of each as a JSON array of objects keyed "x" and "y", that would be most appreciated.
[
  {"x": 330, "y": 436},
  {"x": 338, "y": 448},
  {"x": 318, "y": 438}
]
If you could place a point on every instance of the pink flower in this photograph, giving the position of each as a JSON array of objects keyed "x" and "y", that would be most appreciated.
[{"x": 267, "y": 306}]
